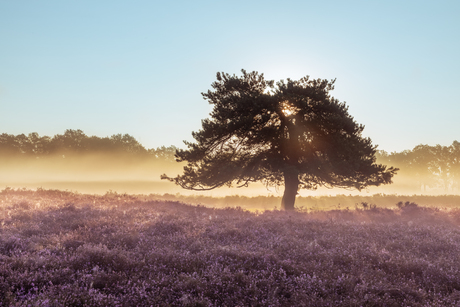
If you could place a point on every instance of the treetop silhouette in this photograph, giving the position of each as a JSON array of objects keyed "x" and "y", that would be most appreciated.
[{"x": 292, "y": 133}]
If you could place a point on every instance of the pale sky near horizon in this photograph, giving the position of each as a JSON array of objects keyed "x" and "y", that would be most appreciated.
[{"x": 138, "y": 67}]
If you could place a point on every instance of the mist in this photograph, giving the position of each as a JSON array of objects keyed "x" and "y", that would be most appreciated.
[
  {"x": 76, "y": 162},
  {"x": 88, "y": 173},
  {"x": 122, "y": 173}
]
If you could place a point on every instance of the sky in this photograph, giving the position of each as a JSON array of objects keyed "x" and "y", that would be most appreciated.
[{"x": 139, "y": 67}]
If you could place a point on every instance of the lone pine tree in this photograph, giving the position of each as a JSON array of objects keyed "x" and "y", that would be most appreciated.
[{"x": 292, "y": 133}]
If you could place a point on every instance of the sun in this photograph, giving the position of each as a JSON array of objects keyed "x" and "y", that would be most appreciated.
[{"x": 288, "y": 109}]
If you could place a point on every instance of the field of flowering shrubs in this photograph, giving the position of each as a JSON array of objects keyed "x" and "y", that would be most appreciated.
[{"x": 65, "y": 249}]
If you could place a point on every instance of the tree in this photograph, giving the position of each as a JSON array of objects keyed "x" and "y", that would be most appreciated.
[
  {"x": 163, "y": 153},
  {"x": 440, "y": 166},
  {"x": 127, "y": 143},
  {"x": 9, "y": 145},
  {"x": 72, "y": 141},
  {"x": 293, "y": 132},
  {"x": 455, "y": 164}
]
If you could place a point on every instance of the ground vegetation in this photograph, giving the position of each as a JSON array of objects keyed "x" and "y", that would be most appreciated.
[{"x": 64, "y": 249}]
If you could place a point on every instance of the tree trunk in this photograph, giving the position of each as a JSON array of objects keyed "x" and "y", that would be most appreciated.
[{"x": 291, "y": 186}]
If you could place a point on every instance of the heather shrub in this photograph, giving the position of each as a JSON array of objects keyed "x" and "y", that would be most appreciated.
[
  {"x": 69, "y": 207},
  {"x": 164, "y": 228},
  {"x": 410, "y": 208},
  {"x": 72, "y": 244},
  {"x": 90, "y": 256},
  {"x": 24, "y": 205}
]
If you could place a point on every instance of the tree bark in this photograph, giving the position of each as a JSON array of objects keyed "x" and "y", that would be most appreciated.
[{"x": 291, "y": 186}]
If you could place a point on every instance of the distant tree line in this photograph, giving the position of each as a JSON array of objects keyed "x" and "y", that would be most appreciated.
[
  {"x": 74, "y": 142},
  {"x": 436, "y": 167},
  {"x": 429, "y": 166}
]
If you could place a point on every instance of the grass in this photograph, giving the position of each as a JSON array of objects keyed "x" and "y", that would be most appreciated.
[{"x": 64, "y": 249}]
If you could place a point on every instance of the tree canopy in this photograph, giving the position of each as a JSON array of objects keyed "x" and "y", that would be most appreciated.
[{"x": 292, "y": 132}]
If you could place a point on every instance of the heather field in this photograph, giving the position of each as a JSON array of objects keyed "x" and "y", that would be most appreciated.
[{"x": 66, "y": 249}]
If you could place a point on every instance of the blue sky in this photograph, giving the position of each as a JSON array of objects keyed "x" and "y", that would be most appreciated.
[{"x": 138, "y": 67}]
